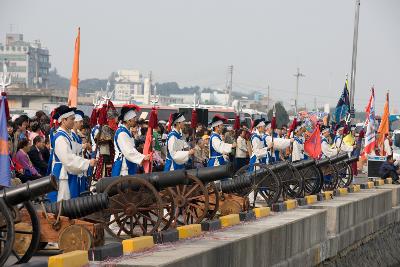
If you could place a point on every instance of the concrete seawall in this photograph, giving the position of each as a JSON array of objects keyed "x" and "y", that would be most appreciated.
[{"x": 321, "y": 233}]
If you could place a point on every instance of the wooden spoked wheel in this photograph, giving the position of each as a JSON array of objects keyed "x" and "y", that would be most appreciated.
[
  {"x": 6, "y": 232},
  {"x": 312, "y": 179},
  {"x": 168, "y": 209},
  {"x": 75, "y": 237},
  {"x": 292, "y": 182},
  {"x": 191, "y": 202},
  {"x": 330, "y": 177},
  {"x": 265, "y": 185},
  {"x": 345, "y": 174},
  {"x": 27, "y": 232},
  {"x": 135, "y": 208},
  {"x": 213, "y": 200}
]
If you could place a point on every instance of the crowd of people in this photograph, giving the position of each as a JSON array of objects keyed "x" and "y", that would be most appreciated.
[{"x": 78, "y": 149}]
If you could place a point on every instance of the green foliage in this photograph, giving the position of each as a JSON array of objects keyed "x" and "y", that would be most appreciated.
[{"x": 282, "y": 117}]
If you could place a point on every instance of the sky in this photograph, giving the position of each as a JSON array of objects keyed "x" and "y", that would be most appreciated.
[{"x": 194, "y": 42}]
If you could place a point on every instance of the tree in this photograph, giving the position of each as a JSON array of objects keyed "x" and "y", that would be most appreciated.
[{"x": 282, "y": 117}]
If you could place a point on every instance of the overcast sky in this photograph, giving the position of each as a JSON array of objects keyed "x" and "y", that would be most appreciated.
[{"x": 193, "y": 42}]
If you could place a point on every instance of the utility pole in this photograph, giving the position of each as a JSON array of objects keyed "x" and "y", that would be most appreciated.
[
  {"x": 268, "y": 98},
  {"x": 354, "y": 58},
  {"x": 229, "y": 84},
  {"x": 297, "y": 75}
]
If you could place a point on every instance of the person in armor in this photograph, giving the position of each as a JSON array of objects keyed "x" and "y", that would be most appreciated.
[
  {"x": 105, "y": 143},
  {"x": 66, "y": 165},
  {"x": 327, "y": 150},
  {"x": 177, "y": 149},
  {"x": 127, "y": 158},
  {"x": 218, "y": 149}
]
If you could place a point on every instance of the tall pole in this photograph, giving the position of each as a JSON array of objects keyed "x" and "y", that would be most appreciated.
[
  {"x": 229, "y": 84},
  {"x": 268, "y": 99},
  {"x": 296, "y": 102},
  {"x": 354, "y": 58}
]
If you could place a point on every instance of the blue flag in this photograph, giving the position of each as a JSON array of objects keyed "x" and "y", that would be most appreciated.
[
  {"x": 5, "y": 173},
  {"x": 342, "y": 107}
]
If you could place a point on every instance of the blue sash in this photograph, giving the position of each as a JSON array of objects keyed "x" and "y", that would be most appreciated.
[
  {"x": 214, "y": 155},
  {"x": 169, "y": 162},
  {"x": 56, "y": 170},
  {"x": 117, "y": 166}
]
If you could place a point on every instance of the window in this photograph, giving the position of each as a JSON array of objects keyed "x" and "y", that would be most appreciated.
[{"x": 25, "y": 102}]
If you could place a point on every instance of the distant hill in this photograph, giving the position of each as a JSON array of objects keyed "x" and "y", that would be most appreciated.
[{"x": 57, "y": 81}]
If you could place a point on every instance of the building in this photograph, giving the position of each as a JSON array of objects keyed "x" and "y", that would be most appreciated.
[
  {"x": 127, "y": 84},
  {"x": 186, "y": 98},
  {"x": 28, "y": 63},
  {"x": 214, "y": 98}
]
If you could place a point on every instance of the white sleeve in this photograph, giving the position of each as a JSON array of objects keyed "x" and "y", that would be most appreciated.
[
  {"x": 221, "y": 147},
  {"x": 176, "y": 152},
  {"x": 258, "y": 148},
  {"x": 297, "y": 153},
  {"x": 327, "y": 150},
  {"x": 128, "y": 149},
  {"x": 242, "y": 145},
  {"x": 72, "y": 163},
  {"x": 279, "y": 143}
]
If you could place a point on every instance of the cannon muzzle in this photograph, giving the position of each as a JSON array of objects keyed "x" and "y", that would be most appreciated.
[
  {"x": 236, "y": 185},
  {"x": 29, "y": 190},
  {"x": 351, "y": 159},
  {"x": 159, "y": 180},
  {"x": 79, "y": 207},
  {"x": 210, "y": 174}
]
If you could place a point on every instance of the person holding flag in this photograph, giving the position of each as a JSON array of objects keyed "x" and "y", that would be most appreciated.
[
  {"x": 177, "y": 153},
  {"x": 78, "y": 149},
  {"x": 127, "y": 158},
  {"x": 327, "y": 150},
  {"x": 66, "y": 165},
  {"x": 218, "y": 148},
  {"x": 338, "y": 140}
]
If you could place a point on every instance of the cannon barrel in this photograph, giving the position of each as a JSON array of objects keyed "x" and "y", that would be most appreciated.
[
  {"x": 159, "y": 180},
  {"x": 210, "y": 174},
  {"x": 79, "y": 207},
  {"x": 29, "y": 190},
  {"x": 335, "y": 159},
  {"x": 302, "y": 164},
  {"x": 236, "y": 185},
  {"x": 351, "y": 159}
]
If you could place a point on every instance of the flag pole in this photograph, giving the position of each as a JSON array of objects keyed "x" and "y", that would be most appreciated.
[{"x": 354, "y": 58}]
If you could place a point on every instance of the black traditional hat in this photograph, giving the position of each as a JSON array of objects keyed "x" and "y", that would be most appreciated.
[
  {"x": 63, "y": 112},
  {"x": 218, "y": 120},
  {"x": 128, "y": 112}
]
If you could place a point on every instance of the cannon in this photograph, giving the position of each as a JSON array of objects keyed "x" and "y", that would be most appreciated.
[
  {"x": 19, "y": 224},
  {"x": 144, "y": 203},
  {"x": 345, "y": 171},
  {"x": 328, "y": 169}
]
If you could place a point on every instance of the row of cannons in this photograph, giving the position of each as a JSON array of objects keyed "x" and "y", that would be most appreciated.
[{"x": 132, "y": 206}]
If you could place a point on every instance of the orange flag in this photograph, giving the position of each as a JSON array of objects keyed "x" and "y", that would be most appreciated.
[
  {"x": 384, "y": 126},
  {"x": 73, "y": 89}
]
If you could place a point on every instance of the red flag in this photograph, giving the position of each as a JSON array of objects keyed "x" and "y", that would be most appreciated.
[
  {"x": 236, "y": 126},
  {"x": 193, "y": 123},
  {"x": 147, "y": 149},
  {"x": 313, "y": 144},
  {"x": 73, "y": 89},
  {"x": 292, "y": 126}
]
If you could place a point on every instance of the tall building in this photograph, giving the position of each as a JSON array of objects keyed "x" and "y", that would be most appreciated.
[
  {"x": 127, "y": 84},
  {"x": 28, "y": 62}
]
